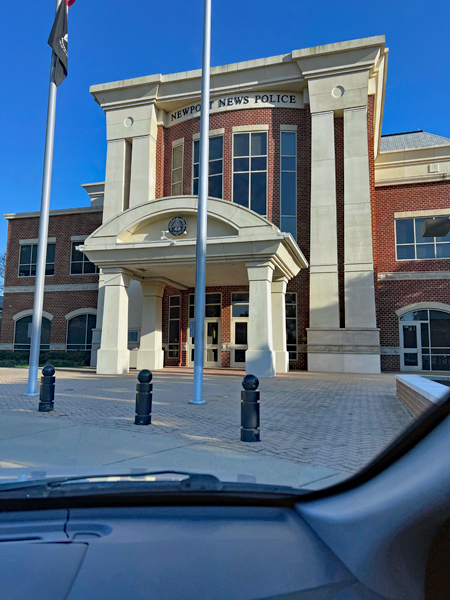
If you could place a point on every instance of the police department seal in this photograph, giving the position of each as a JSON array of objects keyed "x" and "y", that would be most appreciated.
[{"x": 177, "y": 226}]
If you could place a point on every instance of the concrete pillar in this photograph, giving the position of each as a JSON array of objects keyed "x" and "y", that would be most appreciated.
[
  {"x": 324, "y": 287},
  {"x": 150, "y": 353},
  {"x": 360, "y": 315},
  {"x": 117, "y": 178},
  {"x": 260, "y": 357},
  {"x": 114, "y": 357},
  {"x": 97, "y": 332},
  {"x": 279, "y": 325},
  {"x": 143, "y": 166}
]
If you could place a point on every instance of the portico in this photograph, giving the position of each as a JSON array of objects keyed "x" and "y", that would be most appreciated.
[{"x": 243, "y": 249}]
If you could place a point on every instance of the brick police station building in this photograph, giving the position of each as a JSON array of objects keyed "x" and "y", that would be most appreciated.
[{"x": 315, "y": 258}]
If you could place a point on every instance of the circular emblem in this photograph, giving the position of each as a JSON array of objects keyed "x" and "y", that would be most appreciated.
[{"x": 177, "y": 226}]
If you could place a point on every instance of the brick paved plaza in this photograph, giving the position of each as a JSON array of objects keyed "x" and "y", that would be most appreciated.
[{"x": 333, "y": 421}]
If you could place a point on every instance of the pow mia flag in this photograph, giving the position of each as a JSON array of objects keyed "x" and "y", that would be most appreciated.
[{"x": 58, "y": 40}]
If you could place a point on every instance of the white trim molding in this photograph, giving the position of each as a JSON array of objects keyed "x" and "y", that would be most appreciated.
[
  {"x": 73, "y": 287},
  {"x": 411, "y": 214},
  {"x": 421, "y": 306},
  {"x": 414, "y": 275},
  {"x": 50, "y": 240},
  {"x": 179, "y": 142},
  {"x": 288, "y": 127},
  {"x": 78, "y": 238},
  {"x": 27, "y": 313},
  {"x": 245, "y": 128},
  {"x": 81, "y": 311},
  {"x": 60, "y": 211},
  {"x": 212, "y": 133}
]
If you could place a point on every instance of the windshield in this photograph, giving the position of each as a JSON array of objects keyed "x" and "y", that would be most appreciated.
[{"x": 235, "y": 269}]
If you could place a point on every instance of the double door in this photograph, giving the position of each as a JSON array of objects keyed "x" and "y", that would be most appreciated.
[{"x": 213, "y": 344}]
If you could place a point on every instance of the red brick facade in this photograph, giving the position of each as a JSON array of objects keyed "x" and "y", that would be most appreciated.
[
  {"x": 57, "y": 303},
  {"x": 390, "y": 295}
]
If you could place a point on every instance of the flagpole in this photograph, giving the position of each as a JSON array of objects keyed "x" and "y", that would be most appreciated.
[
  {"x": 200, "y": 260},
  {"x": 43, "y": 231}
]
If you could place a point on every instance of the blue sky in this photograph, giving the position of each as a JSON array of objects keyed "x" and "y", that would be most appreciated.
[{"x": 114, "y": 40}]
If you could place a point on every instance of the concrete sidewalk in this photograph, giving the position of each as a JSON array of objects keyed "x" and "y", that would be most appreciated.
[
  {"x": 313, "y": 425},
  {"x": 39, "y": 444}
]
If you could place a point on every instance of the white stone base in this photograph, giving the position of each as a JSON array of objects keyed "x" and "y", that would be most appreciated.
[
  {"x": 260, "y": 363},
  {"x": 113, "y": 362},
  {"x": 150, "y": 359},
  {"x": 343, "y": 363},
  {"x": 281, "y": 361}
]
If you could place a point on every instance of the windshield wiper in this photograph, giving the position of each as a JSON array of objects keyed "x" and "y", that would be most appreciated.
[{"x": 152, "y": 482}]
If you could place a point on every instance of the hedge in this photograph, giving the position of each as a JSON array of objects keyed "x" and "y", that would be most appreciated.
[{"x": 8, "y": 358}]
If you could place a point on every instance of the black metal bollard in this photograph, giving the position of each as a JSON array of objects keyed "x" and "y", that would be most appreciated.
[
  {"x": 250, "y": 409},
  {"x": 47, "y": 390},
  {"x": 144, "y": 398}
]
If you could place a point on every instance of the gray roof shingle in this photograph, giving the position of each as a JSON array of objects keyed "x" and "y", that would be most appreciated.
[{"x": 411, "y": 139}]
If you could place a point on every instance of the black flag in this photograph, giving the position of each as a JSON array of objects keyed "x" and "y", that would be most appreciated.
[{"x": 58, "y": 40}]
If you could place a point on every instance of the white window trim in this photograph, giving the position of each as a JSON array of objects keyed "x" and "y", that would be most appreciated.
[
  {"x": 258, "y": 129},
  {"x": 176, "y": 144},
  {"x": 422, "y": 306},
  {"x": 35, "y": 243},
  {"x": 432, "y": 239},
  {"x": 282, "y": 130},
  {"x": 233, "y": 345},
  {"x": 223, "y": 160},
  {"x": 76, "y": 238},
  {"x": 249, "y": 128},
  {"x": 288, "y": 127},
  {"x": 212, "y": 133},
  {"x": 296, "y": 327},
  {"x": 81, "y": 311},
  {"x": 85, "y": 311},
  {"x": 179, "y": 328},
  {"x": 27, "y": 313},
  {"x": 418, "y": 214}
]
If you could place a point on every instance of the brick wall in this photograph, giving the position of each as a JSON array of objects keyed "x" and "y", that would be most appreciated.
[
  {"x": 393, "y": 295},
  {"x": 61, "y": 227}
]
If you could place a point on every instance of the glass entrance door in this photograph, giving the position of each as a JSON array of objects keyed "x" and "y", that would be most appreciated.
[
  {"x": 212, "y": 344},
  {"x": 411, "y": 350}
]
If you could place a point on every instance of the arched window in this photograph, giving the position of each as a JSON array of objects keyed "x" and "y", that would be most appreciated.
[
  {"x": 425, "y": 340},
  {"x": 22, "y": 333},
  {"x": 79, "y": 332}
]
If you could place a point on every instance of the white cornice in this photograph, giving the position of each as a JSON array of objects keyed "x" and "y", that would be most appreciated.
[
  {"x": 412, "y": 179},
  {"x": 61, "y": 211}
]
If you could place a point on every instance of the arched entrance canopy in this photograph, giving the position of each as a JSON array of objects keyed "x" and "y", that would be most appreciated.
[
  {"x": 243, "y": 249},
  {"x": 236, "y": 236}
]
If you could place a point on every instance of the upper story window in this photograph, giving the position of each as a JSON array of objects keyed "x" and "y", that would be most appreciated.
[
  {"x": 250, "y": 171},
  {"x": 410, "y": 244},
  {"x": 79, "y": 262},
  {"x": 177, "y": 169},
  {"x": 288, "y": 221},
  {"x": 28, "y": 256},
  {"x": 215, "y": 173}
]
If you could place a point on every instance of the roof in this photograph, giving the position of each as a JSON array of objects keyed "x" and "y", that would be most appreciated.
[{"x": 411, "y": 139}]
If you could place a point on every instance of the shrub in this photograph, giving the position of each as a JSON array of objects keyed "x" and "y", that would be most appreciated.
[{"x": 8, "y": 358}]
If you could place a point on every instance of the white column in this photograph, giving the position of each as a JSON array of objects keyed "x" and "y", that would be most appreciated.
[
  {"x": 117, "y": 178},
  {"x": 358, "y": 257},
  {"x": 150, "y": 353},
  {"x": 279, "y": 325},
  {"x": 143, "y": 164},
  {"x": 324, "y": 287},
  {"x": 260, "y": 357},
  {"x": 114, "y": 356},
  {"x": 97, "y": 332}
]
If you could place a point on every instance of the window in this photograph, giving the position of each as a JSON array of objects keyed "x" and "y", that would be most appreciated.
[
  {"x": 27, "y": 260},
  {"x": 411, "y": 245},
  {"x": 177, "y": 170},
  {"x": 215, "y": 176},
  {"x": 291, "y": 325},
  {"x": 133, "y": 339},
  {"x": 79, "y": 262},
  {"x": 22, "y": 334},
  {"x": 250, "y": 171},
  {"x": 79, "y": 332},
  {"x": 174, "y": 326},
  {"x": 425, "y": 340},
  {"x": 289, "y": 182},
  {"x": 239, "y": 327},
  {"x": 212, "y": 308}
]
